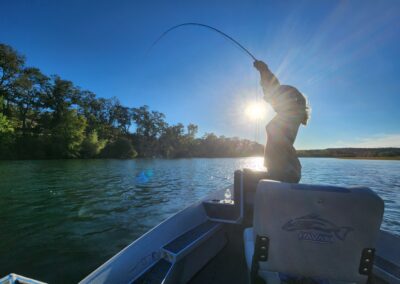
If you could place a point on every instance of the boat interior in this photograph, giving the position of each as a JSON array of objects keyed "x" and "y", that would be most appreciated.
[
  {"x": 268, "y": 232},
  {"x": 263, "y": 231}
]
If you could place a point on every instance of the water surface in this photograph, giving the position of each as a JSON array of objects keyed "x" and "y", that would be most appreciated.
[{"x": 61, "y": 219}]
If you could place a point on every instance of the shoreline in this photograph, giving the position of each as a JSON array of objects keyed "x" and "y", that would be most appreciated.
[
  {"x": 371, "y": 158},
  {"x": 396, "y": 158},
  {"x": 357, "y": 158}
]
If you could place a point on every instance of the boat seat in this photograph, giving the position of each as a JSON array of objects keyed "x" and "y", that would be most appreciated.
[{"x": 313, "y": 231}]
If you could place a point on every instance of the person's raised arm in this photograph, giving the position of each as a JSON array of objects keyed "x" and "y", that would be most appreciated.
[{"x": 269, "y": 82}]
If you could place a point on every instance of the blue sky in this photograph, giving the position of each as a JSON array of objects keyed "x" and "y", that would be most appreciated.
[{"x": 343, "y": 55}]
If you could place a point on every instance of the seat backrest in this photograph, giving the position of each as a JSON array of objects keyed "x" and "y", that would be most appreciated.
[{"x": 316, "y": 231}]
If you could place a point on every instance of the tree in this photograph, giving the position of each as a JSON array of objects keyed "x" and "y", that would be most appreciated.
[
  {"x": 149, "y": 127},
  {"x": 6, "y": 137},
  {"x": 49, "y": 117},
  {"x": 122, "y": 117},
  {"x": 192, "y": 130},
  {"x": 172, "y": 142},
  {"x": 120, "y": 149},
  {"x": 30, "y": 87},
  {"x": 148, "y": 124},
  {"x": 11, "y": 64},
  {"x": 91, "y": 145},
  {"x": 61, "y": 95},
  {"x": 67, "y": 135}
]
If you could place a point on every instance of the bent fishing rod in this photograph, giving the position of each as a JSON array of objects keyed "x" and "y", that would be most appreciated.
[{"x": 207, "y": 27}]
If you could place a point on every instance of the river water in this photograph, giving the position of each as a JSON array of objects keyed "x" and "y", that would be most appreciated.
[{"x": 61, "y": 219}]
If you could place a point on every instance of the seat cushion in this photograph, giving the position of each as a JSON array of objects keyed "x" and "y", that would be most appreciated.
[
  {"x": 316, "y": 231},
  {"x": 248, "y": 238}
]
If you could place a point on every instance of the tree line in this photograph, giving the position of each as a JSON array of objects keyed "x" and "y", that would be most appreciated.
[
  {"x": 387, "y": 153},
  {"x": 48, "y": 117}
]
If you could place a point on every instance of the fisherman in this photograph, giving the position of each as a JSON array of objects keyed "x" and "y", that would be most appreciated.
[{"x": 291, "y": 110}]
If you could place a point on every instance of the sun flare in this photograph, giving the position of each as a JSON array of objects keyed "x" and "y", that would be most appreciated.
[{"x": 255, "y": 110}]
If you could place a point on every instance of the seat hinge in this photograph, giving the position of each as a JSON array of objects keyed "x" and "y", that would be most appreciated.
[
  {"x": 367, "y": 262},
  {"x": 260, "y": 255},
  {"x": 261, "y": 248}
]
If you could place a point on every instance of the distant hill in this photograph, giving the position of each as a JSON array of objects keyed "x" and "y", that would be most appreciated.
[{"x": 362, "y": 153}]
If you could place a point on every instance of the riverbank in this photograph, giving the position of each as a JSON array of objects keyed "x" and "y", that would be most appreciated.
[
  {"x": 371, "y": 158},
  {"x": 357, "y": 158},
  {"x": 353, "y": 153}
]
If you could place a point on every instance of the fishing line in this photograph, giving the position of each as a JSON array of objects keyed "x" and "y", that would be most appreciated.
[
  {"x": 204, "y": 26},
  {"x": 231, "y": 39}
]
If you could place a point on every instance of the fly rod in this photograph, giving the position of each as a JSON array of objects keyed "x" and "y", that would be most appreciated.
[{"x": 207, "y": 27}]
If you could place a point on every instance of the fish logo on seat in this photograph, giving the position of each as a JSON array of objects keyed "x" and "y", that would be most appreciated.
[{"x": 314, "y": 228}]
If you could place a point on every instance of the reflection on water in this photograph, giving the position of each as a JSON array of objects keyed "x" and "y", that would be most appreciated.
[{"x": 61, "y": 219}]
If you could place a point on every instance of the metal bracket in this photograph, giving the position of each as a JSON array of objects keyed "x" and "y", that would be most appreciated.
[
  {"x": 366, "y": 261},
  {"x": 260, "y": 255},
  {"x": 261, "y": 248}
]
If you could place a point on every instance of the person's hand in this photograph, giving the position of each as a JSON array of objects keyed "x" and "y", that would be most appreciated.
[{"x": 260, "y": 65}]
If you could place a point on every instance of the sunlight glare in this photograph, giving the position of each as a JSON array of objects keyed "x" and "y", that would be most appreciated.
[
  {"x": 254, "y": 163},
  {"x": 255, "y": 110}
]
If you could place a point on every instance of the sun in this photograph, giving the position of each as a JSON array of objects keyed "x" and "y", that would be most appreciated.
[{"x": 255, "y": 110}]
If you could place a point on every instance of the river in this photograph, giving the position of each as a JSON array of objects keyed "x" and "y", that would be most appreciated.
[{"x": 61, "y": 219}]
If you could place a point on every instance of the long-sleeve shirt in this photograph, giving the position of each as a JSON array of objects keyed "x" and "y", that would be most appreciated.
[{"x": 280, "y": 156}]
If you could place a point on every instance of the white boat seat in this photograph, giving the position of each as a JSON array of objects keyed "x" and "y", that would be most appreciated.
[{"x": 314, "y": 231}]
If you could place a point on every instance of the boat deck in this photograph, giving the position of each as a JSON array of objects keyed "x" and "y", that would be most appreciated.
[
  {"x": 229, "y": 266},
  {"x": 196, "y": 249}
]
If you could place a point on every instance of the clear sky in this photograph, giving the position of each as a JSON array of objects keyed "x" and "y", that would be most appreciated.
[{"x": 343, "y": 55}]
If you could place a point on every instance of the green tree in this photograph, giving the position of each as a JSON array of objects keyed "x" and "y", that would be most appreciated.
[
  {"x": 30, "y": 87},
  {"x": 150, "y": 125},
  {"x": 122, "y": 117},
  {"x": 60, "y": 97},
  {"x": 6, "y": 137},
  {"x": 91, "y": 145},
  {"x": 49, "y": 117},
  {"x": 172, "y": 142},
  {"x": 122, "y": 148},
  {"x": 67, "y": 135},
  {"x": 11, "y": 63}
]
